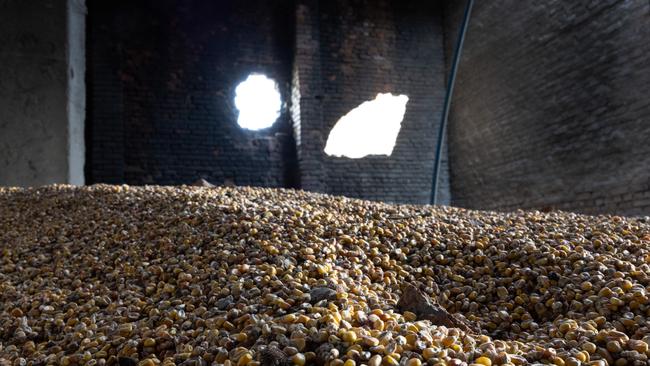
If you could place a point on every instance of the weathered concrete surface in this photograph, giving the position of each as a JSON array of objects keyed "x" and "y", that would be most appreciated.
[
  {"x": 76, "y": 90},
  {"x": 34, "y": 75}
]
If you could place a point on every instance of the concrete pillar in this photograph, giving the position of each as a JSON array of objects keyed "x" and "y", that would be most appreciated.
[
  {"x": 42, "y": 92},
  {"x": 76, "y": 53}
]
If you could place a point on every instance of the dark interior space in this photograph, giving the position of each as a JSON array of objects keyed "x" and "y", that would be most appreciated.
[
  {"x": 170, "y": 70},
  {"x": 324, "y": 183},
  {"x": 549, "y": 109}
]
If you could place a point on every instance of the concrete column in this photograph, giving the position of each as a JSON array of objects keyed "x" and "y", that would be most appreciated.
[
  {"x": 42, "y": 95},
  {"x": 76, "y": 53}
]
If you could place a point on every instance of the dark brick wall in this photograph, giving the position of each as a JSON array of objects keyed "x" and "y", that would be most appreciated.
[
  {"x": 162, "y": 76},
  {"x": 346, "y": 53},
  {"x": 104, "y": 102},
  {"x": 551, "y": 107}
]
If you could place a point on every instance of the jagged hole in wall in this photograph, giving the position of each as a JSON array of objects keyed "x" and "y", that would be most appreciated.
[
  {"x": 258, "y": 100},
  {"x": 369, "y": 129}
]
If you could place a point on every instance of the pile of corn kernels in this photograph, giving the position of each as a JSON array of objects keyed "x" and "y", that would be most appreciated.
[{"x": 146, "y": 276}]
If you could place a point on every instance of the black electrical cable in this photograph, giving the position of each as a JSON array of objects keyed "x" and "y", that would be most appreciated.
[{"x": 450, "y": 90}]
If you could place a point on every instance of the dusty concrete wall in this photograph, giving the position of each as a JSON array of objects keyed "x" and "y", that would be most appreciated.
[{"x": 34, "y": 84}]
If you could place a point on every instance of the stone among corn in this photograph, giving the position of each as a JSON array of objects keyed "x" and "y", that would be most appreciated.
[{"x": 148, "y": 276}]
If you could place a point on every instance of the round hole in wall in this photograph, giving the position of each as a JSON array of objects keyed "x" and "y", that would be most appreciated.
[{"x": 258, "y": 100}]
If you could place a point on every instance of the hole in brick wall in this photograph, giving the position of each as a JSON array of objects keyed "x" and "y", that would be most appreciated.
[
  {"x": 369, "y": 129},
  {"x": 258, "y": 100}
]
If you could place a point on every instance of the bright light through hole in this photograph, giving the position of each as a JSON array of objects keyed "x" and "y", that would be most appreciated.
[
  {"x": 369, "y": 129},
  {"x": 258, "y": 101}
]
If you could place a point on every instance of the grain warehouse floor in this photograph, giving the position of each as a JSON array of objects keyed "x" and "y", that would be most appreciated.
[{"x": 106, "y": 275}]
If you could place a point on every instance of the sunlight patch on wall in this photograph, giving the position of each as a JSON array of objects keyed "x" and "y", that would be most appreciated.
[
  {"x": 258, "y": 100},
  {"x": 369, "y": 129}
]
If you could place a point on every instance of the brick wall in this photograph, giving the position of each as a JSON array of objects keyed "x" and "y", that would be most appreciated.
[
  {"x": 346, "y": 53},
  {"x": 162, "y": 76},
  {"x": 104, "y": 102},
  {"x": 551, "y": 107}
]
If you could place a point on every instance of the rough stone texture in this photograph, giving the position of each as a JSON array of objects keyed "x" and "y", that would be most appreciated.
[
  {"x": 551, "y": 107},
  {"x": 347, "y": 52},
  {"x": 35, "y": 81},
  {"x": 162, "y": 78},
  {"x": 426, "y": 308}
]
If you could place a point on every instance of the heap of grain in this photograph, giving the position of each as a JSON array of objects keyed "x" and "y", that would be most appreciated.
[{"x": 151, "y": 276}]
